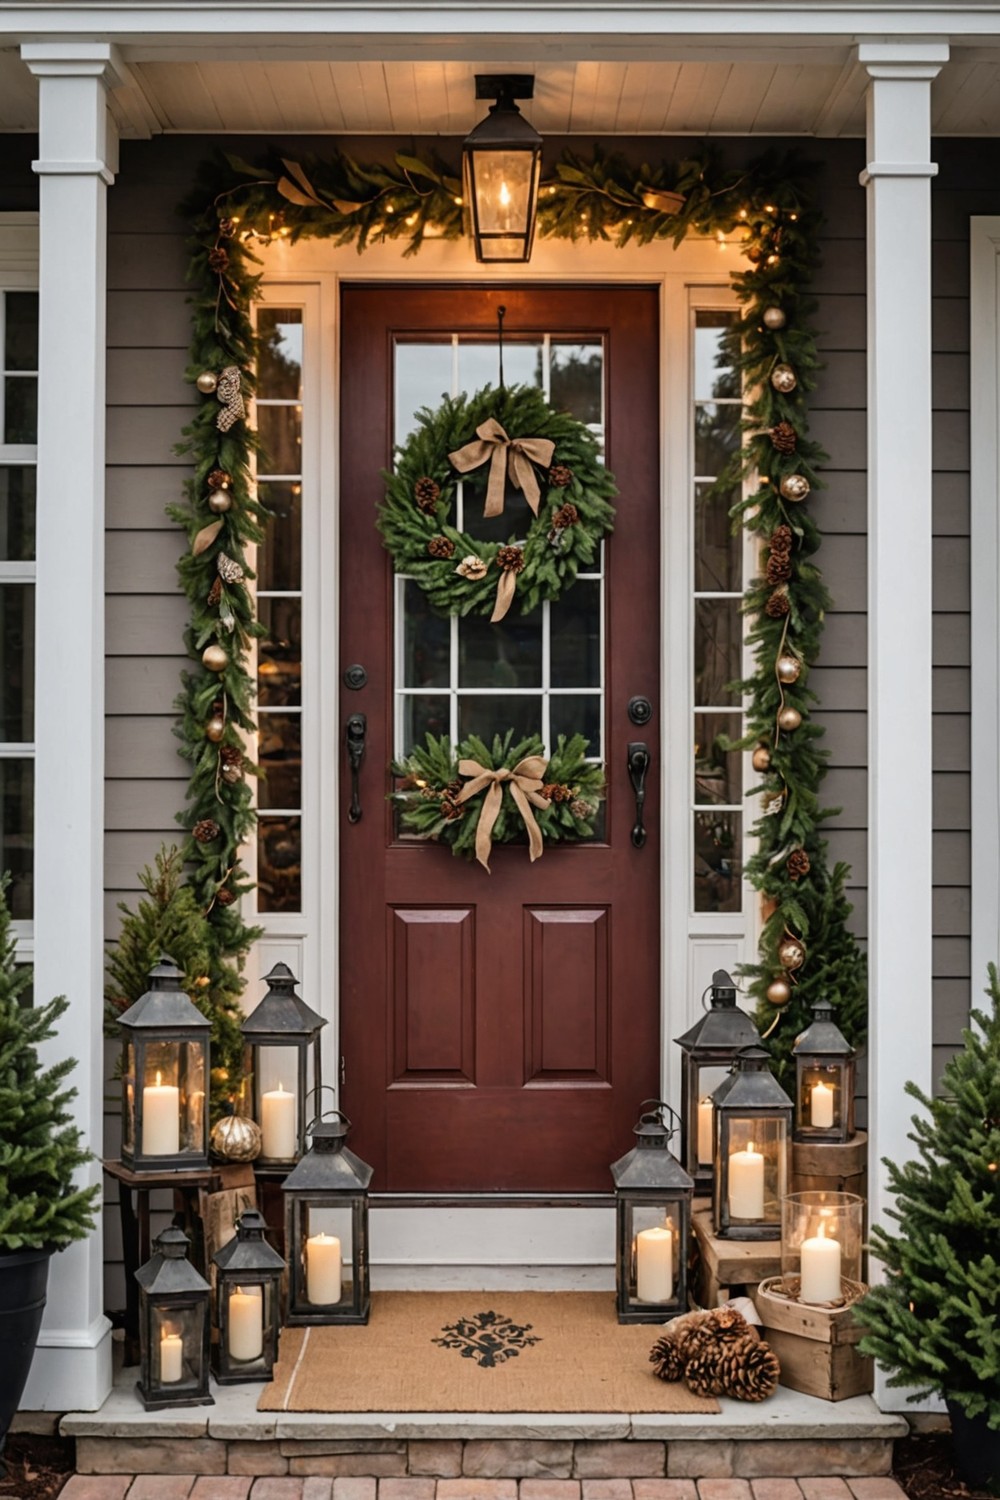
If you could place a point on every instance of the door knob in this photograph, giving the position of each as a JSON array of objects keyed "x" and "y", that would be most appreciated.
[
  {"x": 356, "y": 735},
  {"x": 638, "y": 765}
]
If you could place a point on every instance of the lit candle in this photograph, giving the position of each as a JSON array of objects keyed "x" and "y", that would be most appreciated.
[
  {"x": 746, "y": 1184},
  {"x": 654, "y": 1264},
  {"x": 171, "y": 1358},
  {"x": 820, "y": 1268},
  {"x": 161, "y": 1121},
  {"x": 821, "y": 1106},
  {"x": 705, "y": 1132},
  {"x": 323, "y": 1269},
  {"x": 246, "y": 1323},
  {"x": 278, "y": 1125}
]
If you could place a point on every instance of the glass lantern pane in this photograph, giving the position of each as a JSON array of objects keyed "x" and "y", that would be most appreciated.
[
  {"x": 193, "y": 1096},
  {"x": 655, "y": 1239},
  {"x": 177, "y": 1352},
  {"x": 502, "y": 184},
  {"x": 128, "y": 1113},
  {"x": 821, "y": 1096},
  {"x": 709, "y": 1079},
  {"x": 757, "y": 1163}
]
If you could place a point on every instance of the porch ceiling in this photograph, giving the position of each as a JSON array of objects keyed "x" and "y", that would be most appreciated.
[{"x": 253, "y": 92}]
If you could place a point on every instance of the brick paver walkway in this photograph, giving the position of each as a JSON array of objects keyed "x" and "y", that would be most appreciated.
[{"x": 187, "y": 1487}]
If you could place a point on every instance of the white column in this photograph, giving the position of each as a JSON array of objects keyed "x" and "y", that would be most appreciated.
[
  {"x": 897, "y": 181},
  {"x": 77, "y": 142}
]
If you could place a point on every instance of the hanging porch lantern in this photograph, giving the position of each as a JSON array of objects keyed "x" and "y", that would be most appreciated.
[
  {"x": 248, "y": 1303},
  {"x": 283, "y": 1035},
  {"x": 326, "y": 1229},
  {"x": 174, "y": 1327},
  {"x": 753, "y": 1143},
  {"x": 653, "y": 1215},
  {"x": 164, "y": 1078},
  {"x": 825, "y": 1064},
  {"x": 710, "y": 1050},
  {"x": 501, "y": 167}
]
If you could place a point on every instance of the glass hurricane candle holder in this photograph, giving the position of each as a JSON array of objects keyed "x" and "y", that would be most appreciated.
[{"x": 821, "y": 1239}]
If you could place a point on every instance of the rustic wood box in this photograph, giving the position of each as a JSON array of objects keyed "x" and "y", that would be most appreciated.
[
  {"x": 816, "y": 1346},
  {"x": 839, "y": 1168},
  {"x": 728, "y": 1267}
]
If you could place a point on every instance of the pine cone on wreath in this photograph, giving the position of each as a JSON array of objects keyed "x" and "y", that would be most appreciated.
[
  {"x": 784, "y": 437},
  {"x": 781, "y": 539},
  {"x": 510, "y": 559},
  {"x": 441, "y": 546},
  {"x": 427, "y": 493},
  {"x": 450, "y": 810},
  {"x": 779, "y": 568},
  {"x": 797, "y": 864},
  {"x": 560, "y": 475},
  {"x": 778, "y": 606},
  {"x": 557, "y": 791},
  {"x": 205, "y": 830},
  {"x": 566, "y": 515}
]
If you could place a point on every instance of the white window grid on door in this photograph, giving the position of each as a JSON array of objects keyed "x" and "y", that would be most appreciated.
[{"x": 545, "y": 690}]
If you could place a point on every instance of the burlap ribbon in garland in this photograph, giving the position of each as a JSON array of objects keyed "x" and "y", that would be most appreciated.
[
  {"x": 525, "y": 782},
  {"x": 513, "y": 456}
]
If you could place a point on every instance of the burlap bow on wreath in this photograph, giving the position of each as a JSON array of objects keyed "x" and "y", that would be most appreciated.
[
  {"x": 525, "y": 782},
  {"x": 514, "y": 456}
]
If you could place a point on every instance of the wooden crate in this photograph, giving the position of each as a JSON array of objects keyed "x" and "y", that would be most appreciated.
[
  {"x": 727, "y": 1268},
  {"x": 816, "y": 1347},
  {"x": 828, "y": 1165}
]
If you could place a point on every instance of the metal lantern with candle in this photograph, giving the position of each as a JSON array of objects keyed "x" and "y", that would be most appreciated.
[
  {"x": 753, "y": 1142},
  {"x": 502, "y": 165},
  {"x": 248, "y": 1303},
  {"x": 165, "y": 1060},
  {"x": 821, "y": 1244},
  {"x": 283, "y": 1035},
  {"x": 825, "y": 1064},
  {"x": 710, "y": 1049},
  {"x": 653, "y": 1196},
  {"x": 326, "y": 1229},
  {"x": 174, "y": 1327}
]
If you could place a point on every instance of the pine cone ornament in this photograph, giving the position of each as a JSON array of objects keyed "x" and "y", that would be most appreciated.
[
  {"x": 566, "y": 515},
  {"x": 214, "y": 593},
  {"x": 797, "y": 864},
  {"x": 781, "y": 540},
  {"x": 427, "y": 493},
  {"x": 230, "y": 570},
  {"x": 747, "y": 1370},
  {"x": 230, "y": 755},
  {"x": 205, "y": 830},
  {"x": 450, "y": 810},
  {"x": 779, "y": 568},
  {"x": 778, "y": 606},
  {"x": 510, "y": 559},
  {"x": 560, "y": 475},
  {"x": 224, "y": 896},
  {"x": 784, "y": 437},
  {"x": 441, "y": 546},
  {"x": 557, "y": 791},
  {"x": 218, "y": 259},
  {"x": 472, "y": 567},
  {"x": 218, "y": 479},
  {"x": 581, "y": 809}
]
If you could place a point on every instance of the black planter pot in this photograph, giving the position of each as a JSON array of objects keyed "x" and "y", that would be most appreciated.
[
  {"x": 977, "y": 1448},
  {"x": 24, "y": 1276}
]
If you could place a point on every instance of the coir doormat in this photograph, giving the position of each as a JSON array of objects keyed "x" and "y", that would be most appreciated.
[{"x": 477, "y": 1351}]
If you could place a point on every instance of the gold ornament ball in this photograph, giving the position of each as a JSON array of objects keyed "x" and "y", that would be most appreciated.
[
  {"x": 207, "y": 382},
  {"x": 786, "y": 668},
  {"x": 789, "y": 718},
  {"x": 795, "y": 487},
  {"x": 220, "y": 501},
  {"x": 235, "y": 1138},
  {"x": 215, "y": 658},
  {"x": 774, "y": 318},
  {"x": 761, "y": 758},
  {"x": 784, "y": 379},
  {"x": 779, "y": 992},
  {"x": 791, "y": 954},
  {"x": 215, "y": 728}
]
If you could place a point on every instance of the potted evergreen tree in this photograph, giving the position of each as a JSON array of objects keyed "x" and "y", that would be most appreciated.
[
  {"x": 42, "y": 1209},
  {"x": 935, "y": 1320}
]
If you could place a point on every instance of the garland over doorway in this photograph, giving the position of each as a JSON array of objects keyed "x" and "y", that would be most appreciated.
[{"x": 807, "y": 950}]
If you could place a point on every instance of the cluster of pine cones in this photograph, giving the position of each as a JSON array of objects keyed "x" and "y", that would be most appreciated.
[{"x": 716, "y": 1353}]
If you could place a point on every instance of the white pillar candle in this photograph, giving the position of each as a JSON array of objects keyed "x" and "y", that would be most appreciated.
[
  {"x": 746, "y": 1184},
  {"x": 654, "y": 1264},
  {"x": 705, "y": 1112},
  {"x": 161, "y": 1121},
  {"x": 278, "y": 1125},
  {"x": 820, "y": 1268},
  {"x": 821, "y": 1106},
  {"x": 324, "y": 1272},
  {"x": 171, "y": 1358},
  {"x": 246, "y": 1323}
]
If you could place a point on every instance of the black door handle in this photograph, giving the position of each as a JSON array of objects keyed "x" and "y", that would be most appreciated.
[
  {"x": 638, "y": 765},
  {"x": 356, "y": 735}
]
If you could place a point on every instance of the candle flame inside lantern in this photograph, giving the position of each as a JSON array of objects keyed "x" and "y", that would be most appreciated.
[{"x": 159, "y": 1079}]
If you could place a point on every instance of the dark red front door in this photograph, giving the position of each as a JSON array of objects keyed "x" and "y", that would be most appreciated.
[{"x": 500, "y": 1031}]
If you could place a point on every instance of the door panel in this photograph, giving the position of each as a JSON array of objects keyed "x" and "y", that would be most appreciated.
[{"x": 499, "y": 1031}]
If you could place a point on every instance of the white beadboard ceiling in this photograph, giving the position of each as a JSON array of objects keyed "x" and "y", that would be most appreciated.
[{"x": 571, "y": 97}]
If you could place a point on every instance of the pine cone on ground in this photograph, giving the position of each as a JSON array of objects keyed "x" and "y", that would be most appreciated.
[
  {"x": 510, "y": 559},
  {"x": 205, "y": 830},
  {"x": 441, "y": 546},
  {"x": 670, "y": 1352},
  {"x": 427, "y": 493},
  {"x": 778, "y": 606},
  {"x": 797, "y": 864},
  {"x": 748, "y": 1370},
  {"x": 781, "y": 539},
  {"x": 784, "y": 437},
  {"x": 560, "y": 475},
  {"x": 779, "y": 568}
]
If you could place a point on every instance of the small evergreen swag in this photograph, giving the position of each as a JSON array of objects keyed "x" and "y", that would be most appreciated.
[
  {"x": 430, "y": 782},
  {"x": 935, "y": 1321},
  {"x": 574, "y": 512},
  {"x": 40, "y": 1147}
]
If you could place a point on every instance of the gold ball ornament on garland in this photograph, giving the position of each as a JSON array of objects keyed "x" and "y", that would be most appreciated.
[
  {"x": 784, "y": 379},
  {"x": 774, "y": 318},
  {"x": 789, "y": 718},
  {"x": 761, "y": 758},
  {"x": 207, "y": 382},
  {"x": 215, "y": 658},
  {"x": 795, "y": 487},
  {"x": 788, "y": 669},
  {"x": 236, "y": 1138},
  {"x": 791, "y": 954},
  {"x": 215, "y": 728},
  {"x": 219, "y": 501},
  {"x": 779, "y": 992}
]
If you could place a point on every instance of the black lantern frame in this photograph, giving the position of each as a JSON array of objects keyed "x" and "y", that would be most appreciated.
[
  {"x": 753, "y": 1151},
  {"x": 165, "y": 1077},
  {"x": 329, "y": 1186},
  {"x": 174, "y": 1327},
  {"x": 501, "y": 170},
  {"x": 653, "y": 1197},
  {"x": 247, "y": 1304},
  {"x": 283, "y": 1020},
  {"x": 825, "y": 1069},
  {"x": 713, "y": 1043}
]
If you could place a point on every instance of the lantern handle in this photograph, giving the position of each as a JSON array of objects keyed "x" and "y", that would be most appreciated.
[
  {"x": 710, "y": 986},
  {"x": 655, "y": 1116},
  {"x": 324, "y": 1088}
]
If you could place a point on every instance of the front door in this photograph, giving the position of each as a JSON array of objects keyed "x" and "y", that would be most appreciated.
[{"x": 499, "y": 1031}]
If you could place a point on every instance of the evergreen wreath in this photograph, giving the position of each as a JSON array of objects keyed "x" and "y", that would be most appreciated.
[{"x": 458, "y": 572}]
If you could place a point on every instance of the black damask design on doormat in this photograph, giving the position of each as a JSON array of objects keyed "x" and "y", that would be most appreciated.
[{"x": 489, "y": 1338}]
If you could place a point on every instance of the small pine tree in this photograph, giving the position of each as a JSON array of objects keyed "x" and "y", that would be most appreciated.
[
  {"x": 935, "y": 1321},
  {"x": 40, "y": 1147},
  {"x": 170, "y": 920}
]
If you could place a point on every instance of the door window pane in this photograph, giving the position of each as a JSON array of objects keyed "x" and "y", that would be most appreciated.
[
  {"x": 576, "y": 380},
  {"x": 718, "y": 773},
  {"x": 279, "y": 369},
  {"x": 279, "y": 864},
  {"x": 479, "y": 364},
  {"x": 505, "y": 655},
  {"x": 716, "y": 438},
  {"x": 280, "y": 430},
  {"x": 718, "y": 549},
  {"x": 17, "y": 662},
  {"x": 718, "y": 865},
  {"x": 423, "y": 377},
  {"x": 17, "y": 513},
  {"x": 714, "y": 375},
  {"x": 576, "y": 636},
  {"x": 280, "y": 754},
  {"x": 718, "y": 647},
  {"x": 279, "y": 559},
  {"x": 577, "y": 713},
  {"x": 21, "y": 331},
  {"x": 426, "y": 641},
  {"x": 279, "y": 653},
  {"x": 486, "y": 715}
]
